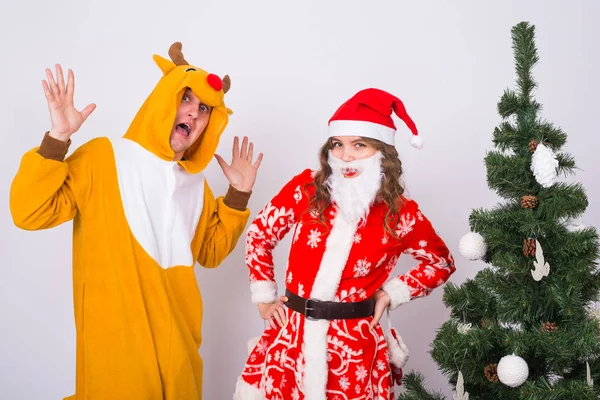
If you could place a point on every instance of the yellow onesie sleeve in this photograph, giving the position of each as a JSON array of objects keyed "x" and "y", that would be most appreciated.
[
  {"x": 48, "y": 191},
  {"x": 227, "y": 217}
]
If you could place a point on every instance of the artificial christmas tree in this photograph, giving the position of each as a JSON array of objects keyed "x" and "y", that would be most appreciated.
[{"x": 536, "y": 296}]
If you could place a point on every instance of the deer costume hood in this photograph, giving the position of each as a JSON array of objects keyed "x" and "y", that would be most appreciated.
[
  {"x": 152, "y": 125},
  {"x": 142, "y": 221}
]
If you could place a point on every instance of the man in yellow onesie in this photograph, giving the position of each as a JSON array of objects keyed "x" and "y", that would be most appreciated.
[{"x": 143, "y": 216}]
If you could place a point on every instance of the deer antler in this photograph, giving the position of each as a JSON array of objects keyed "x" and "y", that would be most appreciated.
[
  {"x": 176, "y": 54},
  {"x": 226, "y": 83}
]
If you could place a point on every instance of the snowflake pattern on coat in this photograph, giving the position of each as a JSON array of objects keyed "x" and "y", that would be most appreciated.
[{"x": 357, "y": 358}]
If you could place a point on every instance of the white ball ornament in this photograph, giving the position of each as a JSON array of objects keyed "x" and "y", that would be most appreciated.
[
  {"x": 472, "y": 246},
  {"x": 512, "y": 370}
]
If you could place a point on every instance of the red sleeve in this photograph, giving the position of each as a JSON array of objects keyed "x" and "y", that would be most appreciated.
[
  {"x": 435, "y": 263},
  {"x": 270, "y": 226}
]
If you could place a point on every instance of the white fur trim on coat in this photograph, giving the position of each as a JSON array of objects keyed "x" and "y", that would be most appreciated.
[
  {"x": 245, "y": 391},
  {"x": 263, "y": 291},
  {"x": 325, "y": 286},
  {"x": 252, "y": 343},
  {"x": 397, "y": 350},
  {"x": 398, "y": 292}
]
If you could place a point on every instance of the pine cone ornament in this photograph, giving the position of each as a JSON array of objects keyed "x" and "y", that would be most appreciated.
[
  {"x": 530, "y": 202},
  {"x": 529, "y": 247},
  {"x": 491, "y": 372},
  {"x": 544, "y": 166},
  {"x": 485, "y": 323},
  {"x": 532, "y": 145},
  {"x": 549, "y": 327}
]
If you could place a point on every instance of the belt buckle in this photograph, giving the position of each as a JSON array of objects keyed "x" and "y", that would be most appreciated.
[{"x": 306, "y": 308}]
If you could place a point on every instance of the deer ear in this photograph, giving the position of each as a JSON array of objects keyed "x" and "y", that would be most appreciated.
[
  {"x": 176, "y": 54},
  {"x": 165, "y": 65},
  {"x": 226, "y": 83}
]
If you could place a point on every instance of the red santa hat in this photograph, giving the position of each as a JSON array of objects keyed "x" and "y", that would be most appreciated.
[{"x": 369, "y": 114}]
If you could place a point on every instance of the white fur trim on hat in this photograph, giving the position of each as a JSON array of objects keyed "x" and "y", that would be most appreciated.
[
  {"x": 263, "y": 291},
  {"x": 398, "y": 291},
  {"x": 416, "y": 141},
  {"x": 362, "y": 128}
]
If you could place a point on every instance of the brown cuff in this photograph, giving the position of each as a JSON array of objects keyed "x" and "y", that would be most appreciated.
[
  {"x": 53, "y": 149},
  {"x": 236, "y": 199}
]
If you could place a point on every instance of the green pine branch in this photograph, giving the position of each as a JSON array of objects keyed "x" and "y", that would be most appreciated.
[
  {"x": 509, "y": 136},
  {"x": 560, "y": 390},
  {"x": 526, "y": 56},
  {"x": 503, "y": 309},
  {"x": 414, "y": 383}
]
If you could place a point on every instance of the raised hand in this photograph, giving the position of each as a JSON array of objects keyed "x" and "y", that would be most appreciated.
[
  {"x": 65, "y": 119},
  {"x": 242, "y": 172}
]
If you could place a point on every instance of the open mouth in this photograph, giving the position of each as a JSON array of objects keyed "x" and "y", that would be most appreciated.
[
  {"x": 183, "y": 129},
  {"x": 349, "y": 172}
]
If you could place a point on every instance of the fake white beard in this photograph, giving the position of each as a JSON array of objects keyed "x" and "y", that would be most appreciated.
[{"x": 354, "y": 196}]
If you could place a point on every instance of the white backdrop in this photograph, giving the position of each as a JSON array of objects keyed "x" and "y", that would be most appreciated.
[{"x": 292, "y": 64}]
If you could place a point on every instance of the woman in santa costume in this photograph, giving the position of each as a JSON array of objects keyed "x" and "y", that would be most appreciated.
[{"x": 350, "y": 224}]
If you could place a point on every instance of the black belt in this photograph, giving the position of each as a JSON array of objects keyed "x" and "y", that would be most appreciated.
[{"x": 314, "y": 309}]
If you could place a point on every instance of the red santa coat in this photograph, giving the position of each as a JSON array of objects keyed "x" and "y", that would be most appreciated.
[{"x": 339, "y": 261}]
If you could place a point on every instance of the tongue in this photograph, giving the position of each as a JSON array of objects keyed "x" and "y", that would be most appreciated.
[{"x": 182, "y": 131}]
